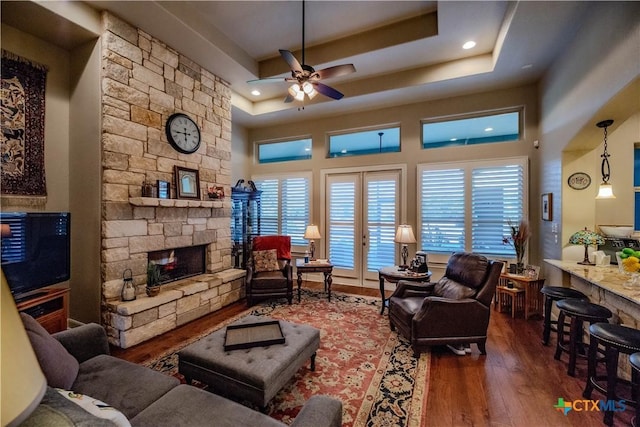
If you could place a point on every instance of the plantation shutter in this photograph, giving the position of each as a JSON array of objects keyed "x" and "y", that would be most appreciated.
[
  {"x": 381, "y": 220},
  {"x": 496, "y": 201},
  {"x": 295, "y": 209},
  {"x": 442, "y": 208},
  {"x": 341, "y": 230},
  {"x": 268, "y": 206}
]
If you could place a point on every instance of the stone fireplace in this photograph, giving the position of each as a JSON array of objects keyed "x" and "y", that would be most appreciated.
[
  {"x": 178, "y": 263},
  {"x": 144, "y": 81}
]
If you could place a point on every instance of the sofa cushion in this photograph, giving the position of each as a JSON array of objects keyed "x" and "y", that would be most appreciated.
[
  {"x": 124, "y": 385},
  {"x": 280, "y": 243},
  {"x": 447, "y": 288},
  {"x": 266, "y": 260},
  {"x": 55, "y": 410},
  {"x": 190, "y": 406},
  {"x": 59, "y": 367}
]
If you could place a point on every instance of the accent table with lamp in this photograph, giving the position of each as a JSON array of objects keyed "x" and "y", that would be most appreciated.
[{"x": 404, "y": 235}]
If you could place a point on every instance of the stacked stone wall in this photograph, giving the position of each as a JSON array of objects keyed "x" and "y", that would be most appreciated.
[{"x": 144, "y": 81}]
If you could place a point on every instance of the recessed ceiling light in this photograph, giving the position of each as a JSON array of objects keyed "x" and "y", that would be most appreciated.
[
  {"x": 488, "y": 129},
  {"x": 255, "y": 92},
  {"x": 343, "y": 151},
  {"x": 453, "y": 139},
  {"x": 468, "y": 45},
  {"x": 307, "y": 149},
  {"x": 526, "y": 66}
]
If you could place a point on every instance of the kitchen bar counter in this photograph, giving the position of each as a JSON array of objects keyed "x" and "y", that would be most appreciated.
[{"x": 603, "y": 285}]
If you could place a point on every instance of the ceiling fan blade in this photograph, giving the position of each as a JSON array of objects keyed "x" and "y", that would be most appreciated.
[
  {"x": 288, "y": 99},
  {"x": 327, "y": 91},
  {"x": 338, "y": 70},
  {"x": 291, "y": 60}
]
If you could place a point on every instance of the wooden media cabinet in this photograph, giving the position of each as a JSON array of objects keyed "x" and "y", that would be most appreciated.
[{"x": 49, "y": 306}]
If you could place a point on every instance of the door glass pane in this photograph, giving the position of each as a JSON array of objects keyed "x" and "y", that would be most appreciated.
[
  {"x": 342, "y": 224},
  {"x": 381, "y": 222}
]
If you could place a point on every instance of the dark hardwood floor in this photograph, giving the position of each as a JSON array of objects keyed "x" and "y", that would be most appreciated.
[{"x": 516, "y": 384}]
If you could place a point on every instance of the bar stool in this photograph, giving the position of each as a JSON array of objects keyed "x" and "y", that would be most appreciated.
[
  {"x": 551, "y": 294},
  {"x": 579, "y": 311},
  {"x": 634, "y": 360},
  {"x": 616, "y": 339}
]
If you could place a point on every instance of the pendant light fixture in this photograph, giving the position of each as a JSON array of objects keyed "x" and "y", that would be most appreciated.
[{"x": 605, "y": 191}]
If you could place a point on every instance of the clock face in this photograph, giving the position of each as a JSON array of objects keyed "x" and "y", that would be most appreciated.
[{"x": 183, "y": 133}]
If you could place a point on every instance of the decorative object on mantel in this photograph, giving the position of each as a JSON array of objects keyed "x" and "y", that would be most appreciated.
[
  {"x": 579, "y": 181},
  {"x": 164, "y": 189},
  {"x": 128, "y": 289},
  {"x": 154, "y": 277},
  {"x": 605, "y": 191},
  {"x": 404, "y": 235},
  {"x": 187, "y": 183},
  {"x": 215, "y": 192},
  {"x": 586, "y": 238},
  {"x": 519, "y": 236},
  {"x": 22, "y": 144}
]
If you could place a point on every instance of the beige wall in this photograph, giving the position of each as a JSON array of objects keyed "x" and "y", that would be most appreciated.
[
  {"x": 409, "y": 117},
  {"x": 56, "y": 130},
  {"x": 592, "y": 81}
]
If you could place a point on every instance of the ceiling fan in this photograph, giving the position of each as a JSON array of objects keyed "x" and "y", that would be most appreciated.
[{"x": 305, "y": 79}]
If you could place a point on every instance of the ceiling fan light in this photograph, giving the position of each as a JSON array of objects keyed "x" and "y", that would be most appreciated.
[
  {"x": 294, "y": 90},
  {"x": 299, "y": 96},
  {"x": 312, "y": 94}
]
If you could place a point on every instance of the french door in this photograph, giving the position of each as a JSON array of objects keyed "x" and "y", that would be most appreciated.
[{"x": 362, "y": 214}]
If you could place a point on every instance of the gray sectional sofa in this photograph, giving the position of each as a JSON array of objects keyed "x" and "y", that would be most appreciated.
[{"x": 146, "y": 397}]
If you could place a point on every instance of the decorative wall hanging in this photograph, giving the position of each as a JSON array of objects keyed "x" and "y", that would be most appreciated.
[{"x": 22, "y": 140}]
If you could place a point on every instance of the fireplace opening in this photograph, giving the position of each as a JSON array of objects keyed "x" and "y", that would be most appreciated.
[{"x": 178, "y": 263}]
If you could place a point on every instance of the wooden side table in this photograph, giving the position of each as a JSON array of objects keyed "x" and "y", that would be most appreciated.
[
  {"x": 534, "y": 300},
  {"x": 315, "y": 267},
  {"x": 513, "y": 298},
  {"x": 394, "y": 275}
]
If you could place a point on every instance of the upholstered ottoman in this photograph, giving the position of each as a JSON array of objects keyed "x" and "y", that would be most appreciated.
[{"x": 253, "y": 374}]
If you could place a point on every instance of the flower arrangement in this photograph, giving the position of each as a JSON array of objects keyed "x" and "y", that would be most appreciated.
[{"x": 519, "y": 236}]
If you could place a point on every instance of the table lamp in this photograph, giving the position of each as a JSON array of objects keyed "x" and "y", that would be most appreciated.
[
  {"x": 404, "y": 235},
  {"x": 312, "y": 233},
  {"x": 22, "y": 382},
  {"x": 587, "y": 238}
]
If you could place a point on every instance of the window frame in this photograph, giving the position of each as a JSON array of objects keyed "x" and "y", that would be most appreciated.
[
  {"x": 375, "y": 128},
  {"x": 473, "y": 115},
  {"x": 299, "y": 138},
  {"x": 468, "y": 167}
]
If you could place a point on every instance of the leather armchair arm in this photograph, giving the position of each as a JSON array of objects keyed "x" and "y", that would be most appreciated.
[
  {"x": 405, "y": 288},
  {"x": 451, "y": 318},
  {"x": 249, "y": 275},
  {"x": 288, "y": 271}
]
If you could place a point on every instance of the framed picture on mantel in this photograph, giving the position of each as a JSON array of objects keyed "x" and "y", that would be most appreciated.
[{"x": 187, "y": 183}]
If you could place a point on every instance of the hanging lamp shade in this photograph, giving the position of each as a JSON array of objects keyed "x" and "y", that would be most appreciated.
[{"x": 605, "y": 190}]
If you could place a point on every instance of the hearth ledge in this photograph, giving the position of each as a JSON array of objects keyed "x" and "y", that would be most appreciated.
[
  {"x": 176, "y": 203},
  {"x": 175, "y": 291}
]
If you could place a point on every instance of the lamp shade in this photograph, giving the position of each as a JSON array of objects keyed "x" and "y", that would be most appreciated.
[
  {"x": 586, "y": 237},
  {"x": 312, "y": 232},
  {"x": 22, "y": 382},
  {"x": 5, "y": 230},
  {"x": 404, "y": 234},
  {"x": 605, "y": 191}
]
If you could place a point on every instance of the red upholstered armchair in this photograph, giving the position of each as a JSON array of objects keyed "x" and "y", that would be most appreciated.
[
  {"x": 455, "y": 310},
  {"x": 269, "y": 271}
]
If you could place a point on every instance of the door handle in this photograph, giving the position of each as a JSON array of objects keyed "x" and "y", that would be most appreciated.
[{"x": 364, "y": 240}]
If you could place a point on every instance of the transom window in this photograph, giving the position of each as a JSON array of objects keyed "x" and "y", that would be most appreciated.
[
  {"x": 488, "y": 128},
  {"x": 468, "y": 206},
  {"x": 371, "y": 141},
  {"x": 284, "y": 151}
]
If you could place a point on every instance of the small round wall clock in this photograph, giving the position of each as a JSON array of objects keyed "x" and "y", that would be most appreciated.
[
  {"x": 579, "y": 181},
  {"x": 183, "y": 133}
]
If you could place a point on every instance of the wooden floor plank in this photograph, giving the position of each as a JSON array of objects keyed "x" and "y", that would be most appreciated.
[{"x": 516, "y": 384}]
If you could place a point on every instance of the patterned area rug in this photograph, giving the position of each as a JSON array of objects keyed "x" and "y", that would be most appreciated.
[{"x": 360, "y": 361}]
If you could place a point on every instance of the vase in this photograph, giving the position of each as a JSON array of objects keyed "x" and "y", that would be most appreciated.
[{"x": 152, "y": 291}]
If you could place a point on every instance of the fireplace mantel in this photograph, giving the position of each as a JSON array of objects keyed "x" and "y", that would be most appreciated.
[{"x": 177, "y": 203}]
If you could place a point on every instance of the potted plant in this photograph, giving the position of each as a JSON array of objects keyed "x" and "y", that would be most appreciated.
[
  {"x": 154, "y": 277},
  {"x": 519, "y": 236}
]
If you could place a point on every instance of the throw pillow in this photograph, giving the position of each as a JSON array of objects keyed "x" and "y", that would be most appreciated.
[
  {"x": 265, "y": 260},
  {"x": 60, "y": 368},
  {"x": 96, "y": 407},
  {"x": 447, "y": 288}
]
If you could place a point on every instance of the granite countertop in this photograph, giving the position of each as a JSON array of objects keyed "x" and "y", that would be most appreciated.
[{"x": 608, "y": 278}]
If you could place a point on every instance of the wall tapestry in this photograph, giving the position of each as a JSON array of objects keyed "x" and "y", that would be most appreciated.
[{"x": 22, "y": 115}]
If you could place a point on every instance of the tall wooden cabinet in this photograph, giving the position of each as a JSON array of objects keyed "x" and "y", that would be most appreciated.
[{"x": 245, "y": 220}]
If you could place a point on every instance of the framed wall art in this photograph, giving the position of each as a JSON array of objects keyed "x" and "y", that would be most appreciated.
[
  {"x": 547, "y": 206},
  {"x": 164, "y": 191},
  {"x": 187, "y": 183}
]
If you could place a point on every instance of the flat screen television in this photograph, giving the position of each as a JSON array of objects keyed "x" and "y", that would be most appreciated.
[{"x": 35, "y": 250}]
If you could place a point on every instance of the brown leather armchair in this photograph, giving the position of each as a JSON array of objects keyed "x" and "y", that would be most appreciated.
[
  {"x": 270, "y": 282},
  {"x": 455, "y": 310}
]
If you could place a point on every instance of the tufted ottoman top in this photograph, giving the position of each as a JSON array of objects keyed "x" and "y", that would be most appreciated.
[{"x": 256, "y": 366}]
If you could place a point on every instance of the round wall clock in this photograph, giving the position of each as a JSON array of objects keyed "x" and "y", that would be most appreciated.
[
  {"x": 183, "y": 133},
  {"x": 579, "y": 181}
]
